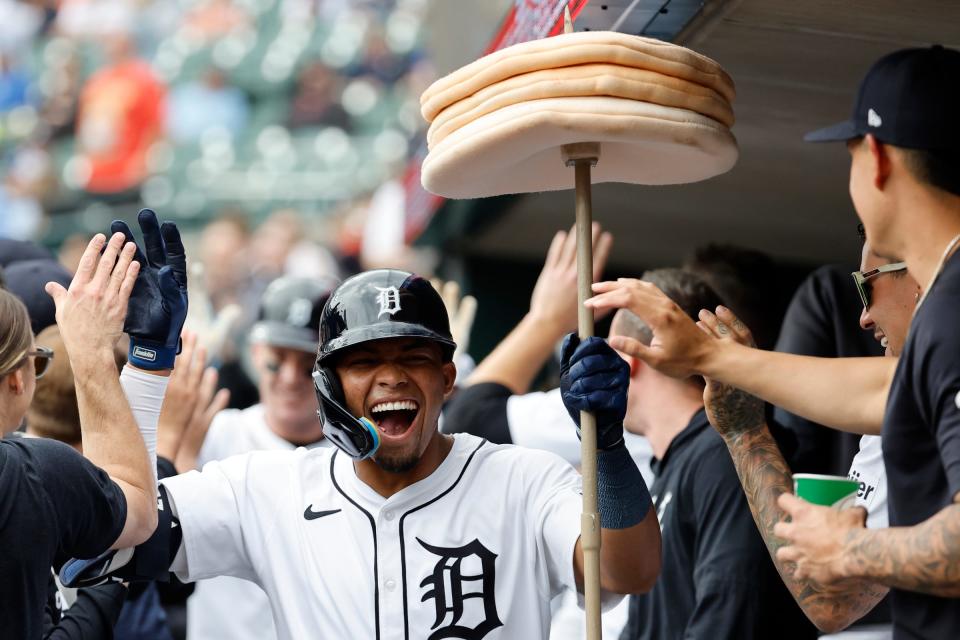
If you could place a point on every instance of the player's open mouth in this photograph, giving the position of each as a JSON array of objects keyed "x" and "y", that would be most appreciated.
[{"x": 394, "y": 418}]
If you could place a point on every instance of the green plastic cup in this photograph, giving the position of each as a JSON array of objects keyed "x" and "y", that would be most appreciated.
[{"x": 830, "y": 491}]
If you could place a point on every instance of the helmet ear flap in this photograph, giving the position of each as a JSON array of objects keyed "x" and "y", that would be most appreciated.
[{"x": 358, "y": 438}]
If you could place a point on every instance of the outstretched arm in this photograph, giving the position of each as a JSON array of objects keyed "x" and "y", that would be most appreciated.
[
  {"x": 816, "y": 388},
  {"x": 90, "y": 315}
]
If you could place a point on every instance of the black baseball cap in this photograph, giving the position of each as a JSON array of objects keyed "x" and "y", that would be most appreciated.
[
  {"x": 909, "y": 98},
  {"x": 27, "y": 278}
]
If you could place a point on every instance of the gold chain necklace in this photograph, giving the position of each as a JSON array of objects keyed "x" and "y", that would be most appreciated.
[{"x": 936, "y": 274}]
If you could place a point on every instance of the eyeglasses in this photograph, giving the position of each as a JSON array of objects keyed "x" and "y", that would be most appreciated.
[
  {"x": 41, "y": 361},
  {"x": 42, "y": 357},
  {"x": 862, "y": 279}
]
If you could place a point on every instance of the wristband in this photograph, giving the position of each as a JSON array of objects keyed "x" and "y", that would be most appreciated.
[
  {"x": 622, "y": 496},
  {"x": 151, "y": 356}
]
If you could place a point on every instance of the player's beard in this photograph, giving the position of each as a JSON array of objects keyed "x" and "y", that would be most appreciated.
[{"x": 399, "y": 463}]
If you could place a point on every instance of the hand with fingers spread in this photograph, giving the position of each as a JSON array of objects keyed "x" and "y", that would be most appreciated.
[
  {"x": 91, "y": 312},
  {"x": 593, "y": 377},
  {"x": 190, "y": 404},
  {"x": 553, "y": 303},
  {"x": 678, "y": 347},
  {"x": 730, "y": 410},
  {"x": 515, "y": 362},
  {"x": 158, "y": 305},
  {"x": 208, "y": 404},
  {"x": 817, "y": 538},
  {"x": 462, "y": 311},
  {"x": 181, "y": 396}
]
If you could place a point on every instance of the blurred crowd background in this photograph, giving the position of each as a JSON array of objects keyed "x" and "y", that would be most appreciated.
[{"x": 274, "y": 119}]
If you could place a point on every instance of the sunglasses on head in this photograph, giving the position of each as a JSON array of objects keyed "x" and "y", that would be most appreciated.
[{"x": 862, "y": 279}]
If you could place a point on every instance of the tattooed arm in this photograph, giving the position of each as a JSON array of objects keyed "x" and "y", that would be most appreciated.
[
  {"x": 738, "y": 418},
  {"x": 833, "y": 546},
  {"x": 802, "y": 385}
]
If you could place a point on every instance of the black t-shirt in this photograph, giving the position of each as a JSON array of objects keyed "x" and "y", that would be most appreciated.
[
  {"x": 822, "y": 321},
  {"x": 921, "y": 442},
  {"x": 54, "y": 505},
  {"x": 717, "y": 581}
]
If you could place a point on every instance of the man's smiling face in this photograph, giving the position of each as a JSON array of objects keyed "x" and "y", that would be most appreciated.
[{"x": 400, "y": 385}]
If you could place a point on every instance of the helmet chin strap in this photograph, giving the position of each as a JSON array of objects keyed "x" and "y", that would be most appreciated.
[{"x": 357, "y": 437}]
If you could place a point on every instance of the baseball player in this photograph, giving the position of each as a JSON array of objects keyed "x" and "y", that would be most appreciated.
[
  {"x": 283, "y": 349},
  {"x": 403, "y": 532}
]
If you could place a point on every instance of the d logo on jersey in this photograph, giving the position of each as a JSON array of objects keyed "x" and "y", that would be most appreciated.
[{"x": 449, "y": 588}]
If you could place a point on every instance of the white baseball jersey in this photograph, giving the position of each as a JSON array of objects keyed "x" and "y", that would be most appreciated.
[
  {"x": 475, "y": 550},
  {"x": 868, "y": 470},
  {"x": 212, "y": 611},
  {"x": 540, "y": 421}
]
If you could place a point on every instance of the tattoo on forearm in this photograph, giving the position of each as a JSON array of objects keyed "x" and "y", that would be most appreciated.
[
  {"x": 764, "y": 475},
  {"x": 923, "y": 558},
  {"x": 731, "y": 410}
]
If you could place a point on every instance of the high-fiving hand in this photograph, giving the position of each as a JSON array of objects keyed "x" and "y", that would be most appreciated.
[
  {"x": 158, "y": 304},
  {"x": 91, "y": 312},
  {"x": 678, "y": 346}
]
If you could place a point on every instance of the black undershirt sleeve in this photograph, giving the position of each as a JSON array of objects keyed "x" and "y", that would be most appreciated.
[
  {"x": 92, "y": 616},
  {"x": 90, "y": 508},
  {"x": 480, "y": 410}
]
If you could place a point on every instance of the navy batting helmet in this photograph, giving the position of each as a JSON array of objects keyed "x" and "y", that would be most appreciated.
[{"x": 384, "y": 303}]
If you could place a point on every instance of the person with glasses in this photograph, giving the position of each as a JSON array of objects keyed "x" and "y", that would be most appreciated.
[
  {"x": 903, "y": 141},
  {"x": 53, "y": 501}
]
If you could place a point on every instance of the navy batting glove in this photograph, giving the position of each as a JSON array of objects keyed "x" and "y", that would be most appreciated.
[
  {"x": 158, "y": 304},
  {"x": 594, "y": 378}
]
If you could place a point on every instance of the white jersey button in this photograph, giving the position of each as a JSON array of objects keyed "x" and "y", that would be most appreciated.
[
  {"x": 390, "y": 584},
  {"x": 388, "y": 515}
]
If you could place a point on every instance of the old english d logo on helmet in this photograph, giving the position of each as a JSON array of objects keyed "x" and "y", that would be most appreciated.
[{"x": 384, "y": 303}]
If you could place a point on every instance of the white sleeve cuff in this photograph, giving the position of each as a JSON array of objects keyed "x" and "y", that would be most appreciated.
[{"x": 145, "y": 393}]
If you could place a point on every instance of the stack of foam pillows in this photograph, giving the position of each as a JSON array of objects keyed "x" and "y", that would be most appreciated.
[{"x": 661, "y": 113}]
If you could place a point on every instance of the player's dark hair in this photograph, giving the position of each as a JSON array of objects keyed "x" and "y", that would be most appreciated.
[
  {"x": 938, "y": 168},
  {"x": 688, "y": 290}
]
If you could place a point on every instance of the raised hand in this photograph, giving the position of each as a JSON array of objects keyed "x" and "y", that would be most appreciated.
[
  {"x": 158, "y": 304},
  {"x": 91, "y": 312},
  {"x": 678, "y": 347},
  {"x": 213, "y": 328},
  {"x": 554, "y": 299},
  {"x": 190, "y": 403},
  {"x": 593, "y": 377},
  {"x": 730, "y": 410},
  {"x": 209, "y": 403},
  {"x": 462, "y": 311}
]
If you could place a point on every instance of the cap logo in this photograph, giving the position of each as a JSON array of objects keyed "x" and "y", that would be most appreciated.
[
  {"x": 299, "y": 313},
  {"x": 389, "y": 300},
  {"x": 873, "y": 118}
]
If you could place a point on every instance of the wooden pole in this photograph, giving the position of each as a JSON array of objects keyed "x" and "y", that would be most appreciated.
[{"x": 582, "y": 157}]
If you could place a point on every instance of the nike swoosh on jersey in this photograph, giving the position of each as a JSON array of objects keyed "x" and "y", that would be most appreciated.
[{"x": 310, "y": 514}]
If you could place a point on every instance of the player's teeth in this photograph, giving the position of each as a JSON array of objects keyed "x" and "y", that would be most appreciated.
[
  {"x": 884, "y": 342},
  {"x": 402, "y": 405}
]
